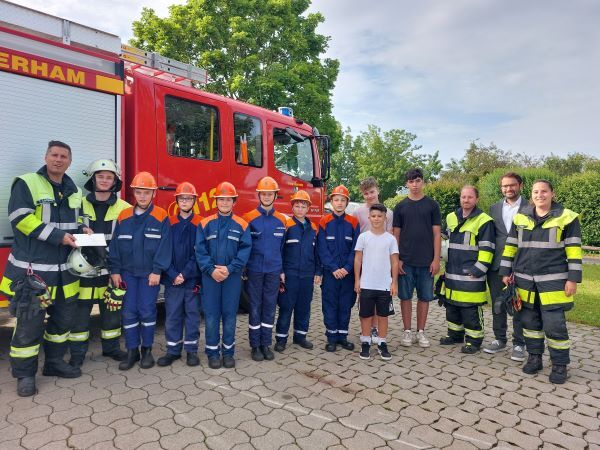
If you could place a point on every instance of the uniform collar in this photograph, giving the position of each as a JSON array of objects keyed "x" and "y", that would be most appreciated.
[
  {"x": 264, "y": 212},
  {"x": 67, "y": 184},
  {"x": 556, "y": 209},
  {"x": 459, "y": 212},
  {"x": 92, "y": 199}
]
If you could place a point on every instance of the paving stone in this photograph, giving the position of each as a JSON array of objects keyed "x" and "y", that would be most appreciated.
[
  {"x": 94, "y": 436},
  {"x": 519, "y": 399},
  {"x": 276, "y": 418},
  {"x": 253, "y": 429},
  {"x": 527, "y": 427},
  {"x": 519, "y": 439},
  {"x": 562, "y": 439},
  {"x": 339, "y": 430},
  {"x": 474, "y": 437},
  {"x": 182, "y": 439},
  {"x": 152, "y": 416},
  {"x": 419, "y": 414},
  {"x": 459, "y": 415},
  {"x": 137, "y": 438},
  {"x": 166, "y": 427},
  {"x": 534, "y": 415},
  {"x": 297, "y": 429},
  {"x": 363, "y": 440},
  {"x": 37, "y": 424},
  {"x": 495, "y": 415},
  {"x": 484, "y": 399},
  {"x": 193, "y": 417},
  {"x": 572, "y": 429},
  {"x": 62, "y": 417},
  {"x": 487, "y": 427},
  {"x": 24, "y": 416},
  {"x": 124, "y": 426},
  {"x": 234, "y": 417},
  {"x": 593, "y": 437},
  {"x": 406, "y": 442},
  {"x": 272, "y": 440},
  {"x": 560, "y": 402},
  {"x": 41, "y": 438},
  {"x": 110, "y": 416}
]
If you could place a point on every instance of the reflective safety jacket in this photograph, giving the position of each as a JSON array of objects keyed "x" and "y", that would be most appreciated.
[
  {"x": 183, "y": 236},
  {"x": 141, "y": 243},
  {"x": 543, "y": 253},
  {"x": 470, "y": 253},
  {"x": 300, "y": 257},
  {"x": 223, "y": 241},
  {"x": 267, "y": 229},
  {"x": 101, "y": 217},
  {"x": 41, "y": 212},
  {"x": 336, "y": 241}
]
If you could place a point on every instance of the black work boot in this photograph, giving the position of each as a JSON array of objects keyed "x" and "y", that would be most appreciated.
[
  {"x": 345, "y": 344},
  {"x": 267, "y": 353},
  {"x": 26, "y": 386},
  {"x": 447, "y": 340},
  {"x": 214, "y": 362},
  {"x": 147, "y": 360},
  {"x": 304, "y": 344},
  {"x": 77, "y": 360},
  {"x": 228, "y": 361},
  {"x": 192, "y": 359},
  {"x": 279, "y": 346},
  {"x": 331, "y": 347},
  {"x": 133, "y": 356},
  {"x": 115, "y": 353},
  {"x": 533, "y": 364},
  {"x": 61, "y": 369},
  {"x": 256, "y": 354},
  {"x": 167, "y": 360},
  {"x": 559, "y": 374}
]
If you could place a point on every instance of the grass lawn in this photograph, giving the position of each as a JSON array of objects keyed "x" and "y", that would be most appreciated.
[{"x": 587, "y": 299}]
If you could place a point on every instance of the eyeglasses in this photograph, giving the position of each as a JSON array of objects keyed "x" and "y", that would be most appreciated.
[
  {"x": 187, "y": 199},
  {"x": 507, "y": 186}
]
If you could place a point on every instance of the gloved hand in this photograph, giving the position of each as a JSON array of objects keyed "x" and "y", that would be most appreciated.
[{"x": 113, "y": 298}]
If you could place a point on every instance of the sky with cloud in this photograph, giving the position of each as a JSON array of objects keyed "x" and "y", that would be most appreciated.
[{"x": 523, "y": 74}]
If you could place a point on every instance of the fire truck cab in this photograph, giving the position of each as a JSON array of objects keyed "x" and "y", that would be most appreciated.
[{"x": 66, "y": 81}]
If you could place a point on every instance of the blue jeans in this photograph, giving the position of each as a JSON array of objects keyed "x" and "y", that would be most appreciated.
[
  {"x": 139, "y": 311},
  {"x": 220, "y": 302},
  {"x": 296, "y": 299},
  {"x": 182, "y": 306},
  {"x": 418, "y": 278}
]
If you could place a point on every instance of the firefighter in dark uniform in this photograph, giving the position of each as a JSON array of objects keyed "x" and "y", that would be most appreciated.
[
  {"x": 100, "y": 210},
  {"x": 43, "y": 210},
  {"x": 470, "y": 253},
  {"x": 543, "y": 253}
]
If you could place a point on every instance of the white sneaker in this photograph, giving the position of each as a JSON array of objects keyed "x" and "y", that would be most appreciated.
[
  {"x": 422, "y": 339},
  {"x": 407, "y": 338}
]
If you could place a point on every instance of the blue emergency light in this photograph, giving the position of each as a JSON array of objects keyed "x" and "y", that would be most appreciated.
[{"x": 286, "y": 111}]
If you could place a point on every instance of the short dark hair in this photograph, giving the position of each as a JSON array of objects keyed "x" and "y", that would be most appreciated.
[
  {"x": 59, "y": 144},
  {"x": 413, "y": 174},
  {"x": 514, "y": 175},
  {"x": 378, "y": 207}
]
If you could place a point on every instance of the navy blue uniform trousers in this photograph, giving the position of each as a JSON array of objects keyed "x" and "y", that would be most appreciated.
[
  {"x": 182, "y": 306},
  {"x": 296, "y": 299},
  {"x": 262, "y": 289},
  {"x": 338, "y": 298},
  {"x": 139, "y": 311}
]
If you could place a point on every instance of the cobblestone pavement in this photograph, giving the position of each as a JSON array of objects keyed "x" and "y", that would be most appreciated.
[{"x": 423, "y": 398}]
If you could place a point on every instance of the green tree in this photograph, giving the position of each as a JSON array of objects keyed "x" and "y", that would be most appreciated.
[
  {"x": 344, "y": 169},
  {"x": 574, "y": 163},
  {"x": 388, "y": 155},
  {"x": 265, "y": 52},
  {"x": 479, "y": 160}
]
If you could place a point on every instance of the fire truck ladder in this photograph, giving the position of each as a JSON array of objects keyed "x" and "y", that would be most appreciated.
[{"x": 154, "y": 64}]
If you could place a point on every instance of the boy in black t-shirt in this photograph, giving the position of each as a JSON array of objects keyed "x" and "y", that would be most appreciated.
[{"x": 417, "y": 227}]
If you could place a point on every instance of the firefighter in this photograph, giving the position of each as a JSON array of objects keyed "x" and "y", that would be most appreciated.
[
  {"x": 543, "y": 253},
  {"x": 182, "y": 282},
  {"x": 302, "y": 271},
  {"x": 336, "y": 240},
  {"x": 43, "y": 209},
  {"x": 100, "y": 210},
  {"x": 223, "y": 245},
  {"x": 264, "y": 268},
  {"x": 140, "y": 252},
  {"x": 470, "y": 254}
]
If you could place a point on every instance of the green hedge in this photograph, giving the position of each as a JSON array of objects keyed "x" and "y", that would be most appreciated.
[
  {"x": 489, "y": 185},
  {"x": 581, "y": 193},
  {"x": 447, "y": 194},
  {"x": 392, "y": 202}
]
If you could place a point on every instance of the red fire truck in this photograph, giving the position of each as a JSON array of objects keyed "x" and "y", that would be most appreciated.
[{"x": 62, "y": 80}]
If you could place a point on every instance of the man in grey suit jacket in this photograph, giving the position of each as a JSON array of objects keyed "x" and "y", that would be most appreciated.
[{"x": 503, "y": 213}]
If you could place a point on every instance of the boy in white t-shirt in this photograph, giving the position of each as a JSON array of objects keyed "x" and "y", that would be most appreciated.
[{"x": 375, "y": 279}]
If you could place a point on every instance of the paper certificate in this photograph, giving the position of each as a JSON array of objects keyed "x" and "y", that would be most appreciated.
[{"x": 90, "y": 240}]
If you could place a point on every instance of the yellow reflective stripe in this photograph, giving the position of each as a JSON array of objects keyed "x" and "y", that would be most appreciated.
[
  {"x": 559, "y": 345},
  {"x": 573, "y": 252},
  {"x": 474, "y": 333},
  {"x": 485, "y": 256},
  {"x": 533, "y": 334},
  {"x": 455, "y": 326},
  {"x": 71, "y": 289},
  {"x": 451, "y": 221},
  {"x": 523, "y": 221},
  {"x": 24, "y": 352},
  {"x": 79, "y": 337},
  {"x": 555, "y": 298},
  {"x": 111, "y": 334},
  {"x": 28, "y": 224},
  {"x": 509, "y": 251},
  {"x": 58, "y": 338},
  {"x": 466, "y": 297},
  {"x": 91, "y": 293}
]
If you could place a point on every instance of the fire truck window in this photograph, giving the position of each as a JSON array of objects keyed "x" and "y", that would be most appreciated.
[
  {"x": 247, "y": 133},
  {"x": 291, "y": 157},
  {"x": 192, "y": 129}
]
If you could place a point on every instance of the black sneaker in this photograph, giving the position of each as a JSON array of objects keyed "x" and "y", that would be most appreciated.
[
  {"x": 469, "y": 349},
  {"x": 365, "y": 351},
  {"x": 383, "y": 351}
]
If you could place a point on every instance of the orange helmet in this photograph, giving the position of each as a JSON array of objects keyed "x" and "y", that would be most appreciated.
[
  {"x": 186, "y": 188},
  {"x": 225, "y": 189},
  {"x": 340, "y": 190},
  {"x": 301, "y": 196},
  {"x": 144, "y": 180},
  {"x": 267, "y": 184}
]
